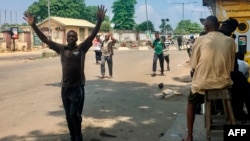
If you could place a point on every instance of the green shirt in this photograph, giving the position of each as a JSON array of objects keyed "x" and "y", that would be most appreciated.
[{"x": 158, "y": 46}]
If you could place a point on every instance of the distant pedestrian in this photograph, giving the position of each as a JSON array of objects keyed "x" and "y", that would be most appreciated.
[
  {"x": 191, "y": 42},
  {"x": 73, "y": 77},
  {"x": 158, "y": 46},
  {"x": 97, "y": 48},
  {"x": 166, "y": 54},
  {"x": 179, "y": 42},
  {"x": 107, "y": 54}
]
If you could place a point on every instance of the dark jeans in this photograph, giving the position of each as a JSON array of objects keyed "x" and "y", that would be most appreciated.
[
  {"x": 73, "y": 101},
  {"x": 189, "y": 51},
  {"x": 161, "y": 60},
  {"x": 167, "y": 59},
  {"x": 179, "y": 45},
  {"x": 110, "y": 65},
  {"x": 98, "y": 55}
]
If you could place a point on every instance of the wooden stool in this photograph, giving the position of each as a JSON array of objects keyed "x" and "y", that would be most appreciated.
[{"x": 214, "y": 123}]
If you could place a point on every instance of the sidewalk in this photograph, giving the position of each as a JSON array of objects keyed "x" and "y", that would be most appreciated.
[{"x": 178, "y": 130}]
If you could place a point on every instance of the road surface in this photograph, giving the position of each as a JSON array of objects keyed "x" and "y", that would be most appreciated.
[{"x": 129, "y": 105}]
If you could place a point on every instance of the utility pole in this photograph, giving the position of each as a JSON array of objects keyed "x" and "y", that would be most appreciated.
[
  {"x": 147, "y": 13},
  {"x": 10, "y": 17},
  {"x": 16, "y": 18},
  {"x": 182, "y": 3},
  {"x": 5, "y": 21},
  {"x": 49, "y": 17}
]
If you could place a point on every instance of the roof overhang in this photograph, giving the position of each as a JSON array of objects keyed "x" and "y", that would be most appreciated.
[{"x": 211, "y": 4}]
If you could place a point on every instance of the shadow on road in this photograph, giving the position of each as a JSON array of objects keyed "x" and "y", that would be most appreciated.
[{"x": 128, "y": 110}]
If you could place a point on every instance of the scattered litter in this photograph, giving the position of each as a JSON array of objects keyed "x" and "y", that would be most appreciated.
[
  {"x": 161, "y": 135},
  {"x": 160, "y": 86},
  {"x": 176, "y": 135},
  {"x": 169, "y": 93},
  {"x": 103, "y": 134}
]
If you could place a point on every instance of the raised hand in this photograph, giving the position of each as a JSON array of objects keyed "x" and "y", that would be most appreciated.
[
  {"x": 101, "y": 13},
  {"x": 29, "y": 18}
]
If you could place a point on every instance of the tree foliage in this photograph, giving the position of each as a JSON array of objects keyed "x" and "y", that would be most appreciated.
[
  {"x": 164, "y": 27},
  {"x": 187, "y": 27},
  {"x": 105, "y": 27},
  {"x": 144, "y": 26},
  {"x": 89, "y": 13},
  {"x": 64, "y": 8},
  {"x": 123, "y": 11}
]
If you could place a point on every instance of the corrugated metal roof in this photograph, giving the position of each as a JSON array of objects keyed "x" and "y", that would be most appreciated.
[{"x": 71, "y": 22}]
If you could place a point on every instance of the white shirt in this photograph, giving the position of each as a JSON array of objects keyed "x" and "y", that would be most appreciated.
[{"x": 243, "y": 67}]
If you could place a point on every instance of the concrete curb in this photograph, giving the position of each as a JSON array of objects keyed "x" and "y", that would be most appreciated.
[
  {"x": 123, "y": 48},
  {"x": 178, "y": 130},
  {"x": 49, "y": 53}
]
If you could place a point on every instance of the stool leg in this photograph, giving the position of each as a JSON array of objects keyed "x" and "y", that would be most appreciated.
[
  {"x": 224, "y": 107},
  {"x": 230, "y": 111},
  {"x": 208, "y": 118}
]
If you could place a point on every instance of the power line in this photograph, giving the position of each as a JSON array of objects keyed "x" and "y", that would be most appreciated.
[
  {"x": 182, "y": 3},
  {"x": 199, "y": 12}
]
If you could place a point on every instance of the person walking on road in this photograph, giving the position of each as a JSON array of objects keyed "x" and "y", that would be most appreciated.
[
  {"x": 107, "y": 53},
  {"x": 179, "y": 42},
  {"x": 97, "y": 45},
  {"x": 158, "y": 46},
  {"x": 212, "y": 61},
  {"x": 73, "y": 78},
  {"x": 191, "y": 42}
]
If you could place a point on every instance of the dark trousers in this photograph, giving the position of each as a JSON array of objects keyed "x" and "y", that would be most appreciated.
[
  {"x": 110, "y": 64},
  {"x": 179, "y": 45},
  {"x": 189, "y": 51},
  {"x": 161, "y": 60},
  {"x": 98, "y": 55},
  {"x": 167, "y": 61},
  {"x": 240, "y": 95},
  {"x": 73, "y": 101}
]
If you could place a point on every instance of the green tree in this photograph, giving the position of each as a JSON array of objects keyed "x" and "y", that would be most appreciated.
[
  {"x": 164, "y": 27},
  {"x": 105, "y": 27},
  {"x": 195, "y": 28},
  {"x": 124, "y": 11},
  {"x": 144, "y": 26},
  {"x": 169, "y": 28},
  {"x": 61, "y": 8},
  {"x": 89, "y": 13},
  {"x": 187, "y": 27}
]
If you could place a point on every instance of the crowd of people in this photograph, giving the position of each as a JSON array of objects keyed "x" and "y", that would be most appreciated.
[{"x": 212, "y": 54}]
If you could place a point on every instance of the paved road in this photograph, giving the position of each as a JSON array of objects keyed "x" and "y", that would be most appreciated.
[{"x": 130, "y": 105}]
